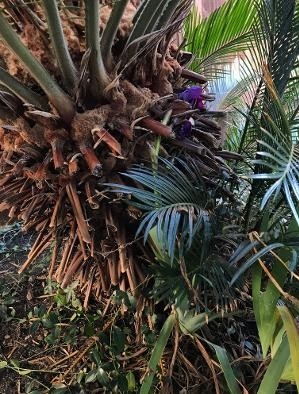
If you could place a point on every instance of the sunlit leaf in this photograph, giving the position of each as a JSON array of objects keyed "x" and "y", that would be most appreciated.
[
  {"x": 293, "y": 338},
  {"x": 275, "y": 369}
]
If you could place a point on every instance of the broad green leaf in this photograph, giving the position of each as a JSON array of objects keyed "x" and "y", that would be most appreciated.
[
  {"x": 190, "y": 323},
  {"x": 102, "y": 376},
  {"x": 264, "y": 301},
  {"x": 274, "y": 371},
  {"x": 15, "y": 363},
  {"x": 36, "y": 392},
  {"x": 264, "y": 306},
  {"x": 293, "y": 338},
  {"x": 287, "y": 373},
  {"x": 117, "y": 340},
  {"x": 91, "y": 376},
  {"x": 3, "y": 364},
  {"x": 62, "y": 390},
  {"x": 131, "y": 381}
]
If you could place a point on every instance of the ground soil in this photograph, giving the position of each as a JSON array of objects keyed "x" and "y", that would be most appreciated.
[{"x": 18, "y": 295}]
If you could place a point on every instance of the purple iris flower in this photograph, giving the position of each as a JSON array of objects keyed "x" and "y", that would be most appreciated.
[
  {"x": 185, "y": 130},
  {"x": 194, "y": 96}
]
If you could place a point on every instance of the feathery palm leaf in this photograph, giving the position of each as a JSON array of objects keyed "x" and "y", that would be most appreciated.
[
  {"x": 279, "y": 156},
  {"x": 215, "y": 39},
  {"x": 174, "y": 200},
  {"x": 275, "y": 44}
]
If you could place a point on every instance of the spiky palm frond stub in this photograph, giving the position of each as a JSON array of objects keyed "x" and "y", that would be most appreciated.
[{"x": 70, "y": 135}]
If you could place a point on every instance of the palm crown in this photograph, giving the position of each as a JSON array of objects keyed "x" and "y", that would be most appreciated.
[{"x": 116, "y": 97}]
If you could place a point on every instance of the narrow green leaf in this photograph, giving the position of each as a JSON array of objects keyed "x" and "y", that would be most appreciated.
[
  {"x": 167, "y": 12},
  {"x": 272, "y": 189},
  {"x": 242, "y": 250},
  {"x": 145, "y": 14},
  {"x": 228, "y": 372},
  {"x": 253, "y": 259},
  {"x": 157, "y": 353}
]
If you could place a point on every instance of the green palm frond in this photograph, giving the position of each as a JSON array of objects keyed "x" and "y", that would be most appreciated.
[
  {"x": 281, "y": 159},
  {"x": 277, "y": 160},
  {"x": 269, "y": 65},
  {"x": 215, "y": 39},
  {"x": 184, "y": 222},
  {"x": 261, "y": 253},
  {"x": 202, "y": 276},
  {"x": 203, "y": 284},
  {"x": 151, "y": 19},
  {"x": 291, "y": 93},
  {"x": 275, "y": 43},
  {"x": 280, "y": 30},
  {"x": 174, "y": 200}
]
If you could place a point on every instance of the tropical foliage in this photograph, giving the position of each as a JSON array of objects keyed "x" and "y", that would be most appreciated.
[
  {"x": 269, "y": 136},
  {"x": 110, "y": 154},
  {"x": 213, "y": 42},
  {"x": 268, "y": 142}
]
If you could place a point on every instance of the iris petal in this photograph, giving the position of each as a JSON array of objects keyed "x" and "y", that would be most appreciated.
[{"x": 194, "y": 96}]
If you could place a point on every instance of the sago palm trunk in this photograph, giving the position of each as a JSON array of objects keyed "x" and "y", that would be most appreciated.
[{"x": 88, "y": 100}]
